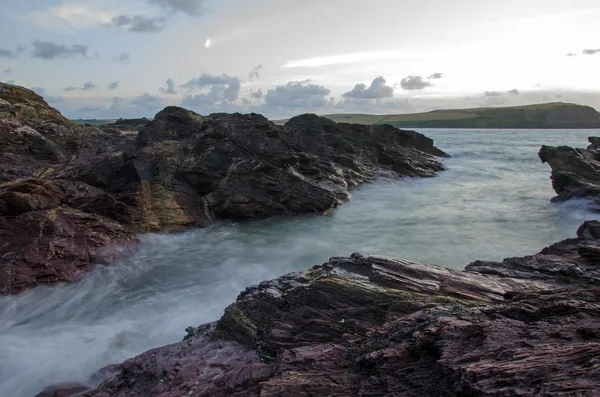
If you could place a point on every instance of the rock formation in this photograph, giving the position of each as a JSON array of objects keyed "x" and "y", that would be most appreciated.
[
  {"x": 575, "y": 172},
  {"x": 367, "y": 326},
  {"x": 72, "y": 190}
]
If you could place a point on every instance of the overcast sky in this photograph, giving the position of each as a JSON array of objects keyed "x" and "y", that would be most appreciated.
[{"x": 116, "y": 58}]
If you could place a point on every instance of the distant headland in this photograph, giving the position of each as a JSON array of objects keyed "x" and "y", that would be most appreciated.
[{"x": 543, "y": 116}]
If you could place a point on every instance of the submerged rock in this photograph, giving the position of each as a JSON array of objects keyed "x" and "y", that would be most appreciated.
[
  {"x": 82, "y": 188},
  {"x": 575, "y": 172},
  {"x": 367, "y": 326}
]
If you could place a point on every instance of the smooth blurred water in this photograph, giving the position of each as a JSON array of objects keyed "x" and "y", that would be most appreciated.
[{"x": 492, "y": 203}]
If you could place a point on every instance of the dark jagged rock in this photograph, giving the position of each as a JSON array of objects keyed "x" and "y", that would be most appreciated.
[
  {"x": 367, "y": 326},
  {"x": 575, "y": 172},
  {"x": 81, "y": 184}
]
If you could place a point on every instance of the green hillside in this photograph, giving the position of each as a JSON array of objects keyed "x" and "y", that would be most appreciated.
[{"x": 547, "y": 115}]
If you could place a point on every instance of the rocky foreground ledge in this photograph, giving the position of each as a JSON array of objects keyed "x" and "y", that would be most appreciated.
[
  {"x": 70, "y": 195},
  {"x": 366, "y": 326}
]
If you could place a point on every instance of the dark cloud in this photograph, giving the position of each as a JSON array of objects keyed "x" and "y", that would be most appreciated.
[
  {"x": 589, "y": 51},
  {"x": 221, "y": 88},
  {"x": 191, "y": 7},
  {"x": 254, "y": 74},
  {"x": 490, "y": 94},
  {"x": 7, "y": 53},
  {"x": 114, "y": 85},
  {"x": 513, "y": 92},
  {"x": 298, "y": 94},
  {"x": 571, "y": 54},
  {"x": 378, "y": 89},
  {"x": 49, "y": 50},
  {"x": 139, "y": 23},
  {"x": 122, "y": 58},
  {"x": 48, "y": 98},
  {"x": 85, "y": 87},
  {"x": 170, "y": 90},
  {"x": 436, "y": 76},
  {"x": 413, "y": 83},
  {"x": 7, "y": 71}
]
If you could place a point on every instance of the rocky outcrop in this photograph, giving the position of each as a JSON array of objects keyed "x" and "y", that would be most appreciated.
[
  {"x": 82, "y": 189},
  {"x": 367, "y": 326},
  {"x": 575, "y": 172}
]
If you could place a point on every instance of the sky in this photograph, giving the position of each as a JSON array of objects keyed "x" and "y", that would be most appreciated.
[{"x": 114, "y": 58}]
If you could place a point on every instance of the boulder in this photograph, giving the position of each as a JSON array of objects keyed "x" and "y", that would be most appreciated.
[
  {"x": 368, "y": 326},
  {"x": 575, "y": 172}
]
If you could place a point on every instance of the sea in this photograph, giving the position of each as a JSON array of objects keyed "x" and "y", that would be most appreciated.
[{"x": 493, "y": 202}]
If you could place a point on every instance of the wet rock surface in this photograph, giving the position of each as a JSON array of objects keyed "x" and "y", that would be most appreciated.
[
  {"x": 367, "y": 326},
  {"x": 82, "y": 189},
  {"x": 575, "y": 172}
]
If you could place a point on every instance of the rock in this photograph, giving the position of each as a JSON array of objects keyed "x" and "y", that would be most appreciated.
[
  {"x": 575, "y": 172},
  {"x": 87, "y": 188},
  {"x": 589, "y": 230},
  {"x": 64, "y": 390},
  {"x": 368, "y": 326},
  {"x": 594, "y": 143},
  {"x": 56, "y": 245}
]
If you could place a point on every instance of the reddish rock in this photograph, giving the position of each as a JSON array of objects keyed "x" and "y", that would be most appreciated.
[
  {"x": 366, "y": 326},
  {"x": 56, "y": 245}
]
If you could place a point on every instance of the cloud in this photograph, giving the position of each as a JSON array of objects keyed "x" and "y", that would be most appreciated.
[
  {"x": 259, "y": 94},
  {"x": 48, "y": 98},
  {"x": 147, "y": 101},
  {"x": 85, "y": 87},
  {"x": 170, "y": 90},
  {"x": 139, "y": 23},
  {"x": 298, "y": 94},
  {"x": 191, "y": 7},
  {"x": 513, "y": 92},
  {"x": 589, "y": 51},
  {"x": 254, "y": 74},
  {"x": 347, "y": 58},
  {"x": 221, "y": 88},
  {"x": 208, "y": 43},
  {"x": 491, "y": 94},
  {"x": 377, "y": 90},
  {"x": 412, "y": 83},
  {"x": 48, "y": 50},
  {"x": 114, "y": 85},
  {"x": 7, "y": 71},
  {"x": 571, "y": 54},
  {"x": 436, "y": 76},
  {"x": 7, "y": 53},
  {"x": 122, "y": 58}
]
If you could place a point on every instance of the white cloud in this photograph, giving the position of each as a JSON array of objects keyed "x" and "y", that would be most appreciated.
[
  {"x": 208, "y": 43},
  {"x": 348, "y": 58},
  {"x": 70, "y": 16}
]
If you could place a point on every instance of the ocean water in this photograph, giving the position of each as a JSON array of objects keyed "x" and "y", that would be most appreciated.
[{"x": 492, "y": 203}]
